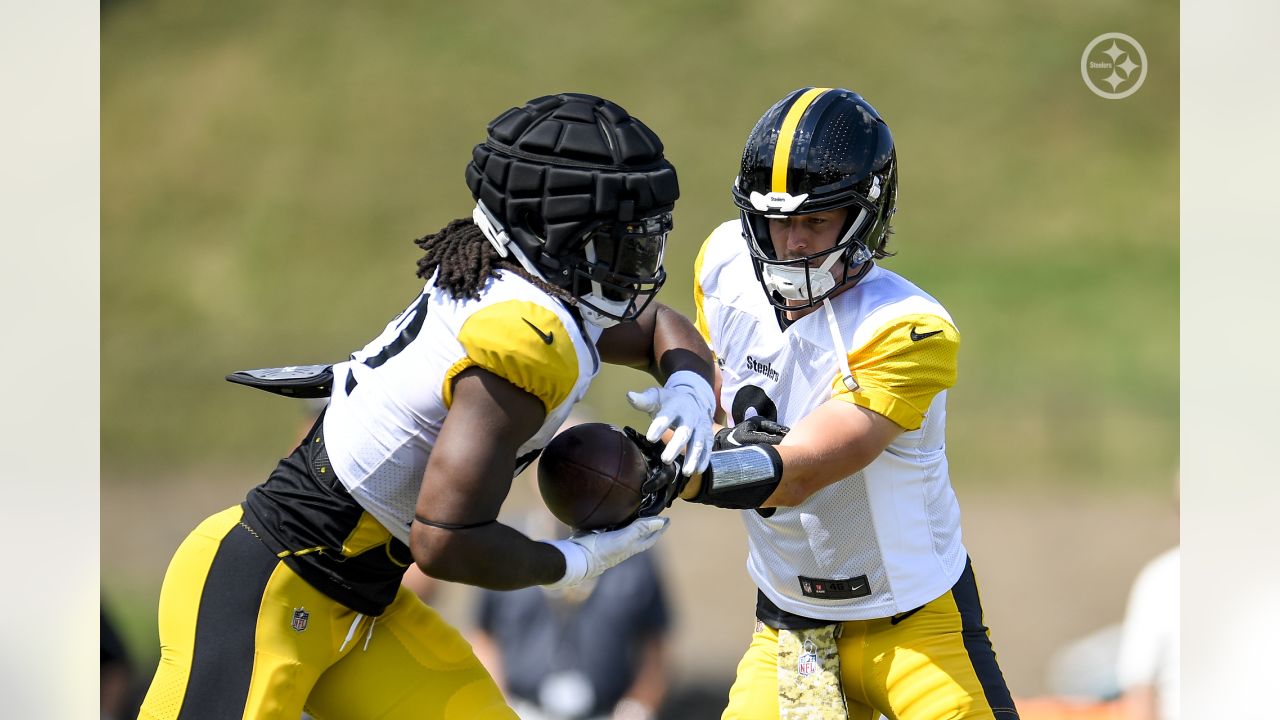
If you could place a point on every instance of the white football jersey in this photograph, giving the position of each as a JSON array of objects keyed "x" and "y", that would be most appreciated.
[
  {"x": 886, "y": 539},
  {"x": 390, "y": 399}
]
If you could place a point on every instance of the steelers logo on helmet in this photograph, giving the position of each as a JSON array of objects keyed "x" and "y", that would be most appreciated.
[
  {"x": 580, "y": 193},
  {"x": 817, "y": 150}
]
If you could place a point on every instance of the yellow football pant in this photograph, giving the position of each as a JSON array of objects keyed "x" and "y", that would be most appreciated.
[
  {"x": 242, "y": 636},
  {"x": 934, "y": 664}
]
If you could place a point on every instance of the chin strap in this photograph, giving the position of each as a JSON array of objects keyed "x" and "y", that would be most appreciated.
[
  {"x": 837, "y": 345},
  {"x": 801, "y": 282},
  {"x": 596, "y": 318},
  {"x": 498, "y": 238}
]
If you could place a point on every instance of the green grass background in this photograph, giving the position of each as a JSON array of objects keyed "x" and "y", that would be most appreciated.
[{"x": 265, "y": 167}]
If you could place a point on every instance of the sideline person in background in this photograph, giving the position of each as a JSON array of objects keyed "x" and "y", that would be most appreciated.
[
  {"x": 1144, "y": 664},
  {"x": 1150, "y": 642},
  {"x": 867, "y": 600},
  {"x": 292, "y": 599},
  {"x": 596, "y": 650}
]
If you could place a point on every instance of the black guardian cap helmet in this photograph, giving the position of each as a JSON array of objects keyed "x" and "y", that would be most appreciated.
[
  {"x": 579, "y": 191},
  {"x": 817, "y": 149}
]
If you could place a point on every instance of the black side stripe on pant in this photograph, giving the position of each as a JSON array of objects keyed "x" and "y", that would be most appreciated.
[
  {"x": 226, "y": 625},
  {"x": 978, "y": 645}
]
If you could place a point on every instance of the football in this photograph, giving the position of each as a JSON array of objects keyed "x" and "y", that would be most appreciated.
[{"x": 590, "y": 476}]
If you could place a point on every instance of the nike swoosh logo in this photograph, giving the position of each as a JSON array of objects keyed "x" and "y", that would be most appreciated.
[
  {"x": 548, "y": 337},
  {"x": 915, "y": 336}
]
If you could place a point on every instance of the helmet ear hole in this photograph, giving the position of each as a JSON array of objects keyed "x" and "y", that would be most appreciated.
[{"x": 534, "y": 224}]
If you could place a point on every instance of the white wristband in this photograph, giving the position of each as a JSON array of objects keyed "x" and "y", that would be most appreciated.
[
  {"x": 702, "y": 391},
  {"x": 575, "y": 563}
]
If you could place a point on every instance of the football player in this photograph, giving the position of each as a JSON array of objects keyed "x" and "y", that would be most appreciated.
[
  {"x": 867, "y": 602},
  {"x": 292, "y": 599}
]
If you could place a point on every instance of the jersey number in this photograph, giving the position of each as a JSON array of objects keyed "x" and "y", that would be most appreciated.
[
  {"x": 411, "y": 321},
  {"x": 411, "y": 324},
  {"x": 752, "y": 397}
]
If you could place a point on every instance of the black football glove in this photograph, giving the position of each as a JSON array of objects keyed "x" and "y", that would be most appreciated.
[
  {"x": 663, "y": 483},
  {"x": 755, "y": 430}
]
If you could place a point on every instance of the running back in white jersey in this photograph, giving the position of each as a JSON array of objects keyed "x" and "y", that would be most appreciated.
[
  {"x": 390, "y": 400},
  {"x": 887, "y": 538}
]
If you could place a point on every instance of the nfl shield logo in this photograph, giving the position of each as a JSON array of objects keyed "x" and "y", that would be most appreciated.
[
  {"x": 808, "y": 663},
  {"x": 300, "y": 617}
]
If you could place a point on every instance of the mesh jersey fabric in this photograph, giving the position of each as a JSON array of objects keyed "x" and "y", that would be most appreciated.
[{"x": 897, "y": 521}]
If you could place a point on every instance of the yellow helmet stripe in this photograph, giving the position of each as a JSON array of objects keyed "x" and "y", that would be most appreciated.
[{"x": 782, "y": 154}]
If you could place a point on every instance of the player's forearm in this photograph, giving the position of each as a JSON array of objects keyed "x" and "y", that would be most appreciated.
[
  {"x": 770, "y": 476},
  {"x": 660, "y": 342},
  {"x": 677, "y": 345},
  {"x": 494, "y": 556},
  {"x": 804, "y": 473}
]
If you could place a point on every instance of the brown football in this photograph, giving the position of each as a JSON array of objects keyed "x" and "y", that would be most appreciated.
[{"x": 590, "y": 476}]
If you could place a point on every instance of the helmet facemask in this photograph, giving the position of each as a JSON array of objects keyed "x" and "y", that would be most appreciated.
[
  {"x": 620, "y": 270},
  {"x": 805, "y": 281},
  {"x": 613, "y": 277}
]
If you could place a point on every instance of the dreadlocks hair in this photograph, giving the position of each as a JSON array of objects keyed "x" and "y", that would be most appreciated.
[
  {"x": 463, "y": 259},
  {"x": 883, "y": 251}
]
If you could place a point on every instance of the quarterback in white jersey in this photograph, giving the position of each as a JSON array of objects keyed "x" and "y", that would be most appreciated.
[
  {"x": 270, "y": 607},
  {"x": 833, "y": 373},
  {"x": 891, "y": 530}
]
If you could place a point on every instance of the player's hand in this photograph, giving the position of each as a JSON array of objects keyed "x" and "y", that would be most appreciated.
[
  {"x": 663, "y": 482},
  {"x": 589, "y": 554},
  {"x": 683, "y": 405},
  {"x": 755, "y": 430}
]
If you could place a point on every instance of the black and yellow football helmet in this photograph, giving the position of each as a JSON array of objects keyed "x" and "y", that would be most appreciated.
[{"x": 817, "y": 149}]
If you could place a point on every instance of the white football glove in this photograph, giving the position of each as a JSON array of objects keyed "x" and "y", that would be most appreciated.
[
  {"x": 588, "y": 555},
  {"x": 683, "y": 405}
]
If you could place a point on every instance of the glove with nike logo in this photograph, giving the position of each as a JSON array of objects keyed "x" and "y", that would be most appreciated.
[
  {"x": 683, "y": 405},
  {"x": 755, "y": 430}
]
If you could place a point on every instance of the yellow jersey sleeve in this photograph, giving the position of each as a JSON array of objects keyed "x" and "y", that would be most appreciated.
[
  {"x": 523, "y": 343},
  {"x": 700, "y": 318},
  {"x": 903, "y": 367}
]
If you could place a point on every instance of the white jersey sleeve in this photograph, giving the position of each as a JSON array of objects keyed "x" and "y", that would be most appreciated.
[{"x": 390, "y": 400}]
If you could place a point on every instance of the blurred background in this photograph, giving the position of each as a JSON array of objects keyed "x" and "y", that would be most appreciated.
[{"x": 265, "y": 168}]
